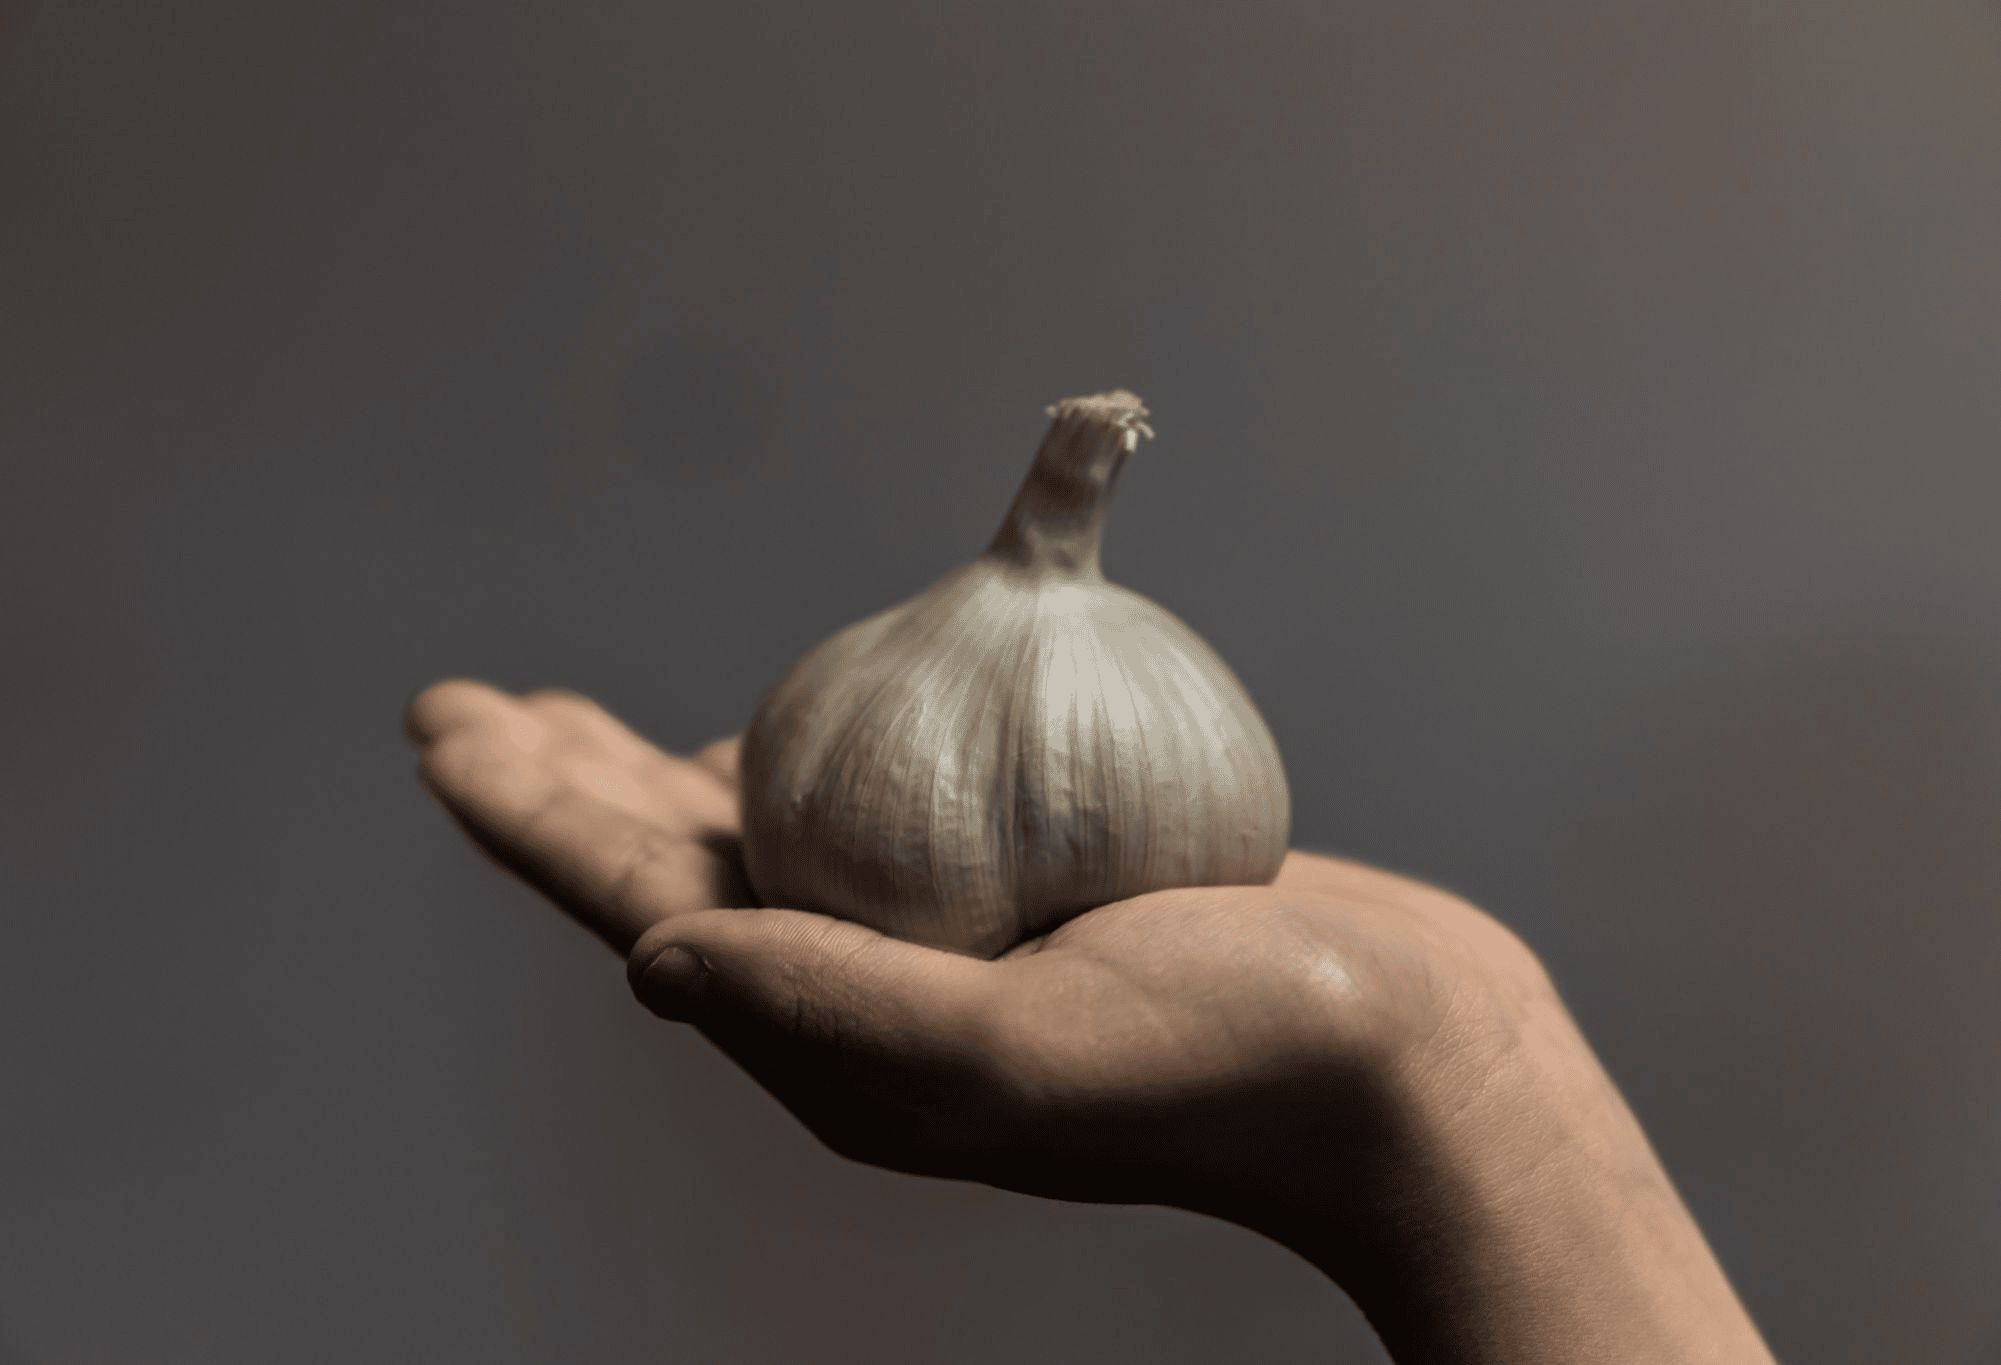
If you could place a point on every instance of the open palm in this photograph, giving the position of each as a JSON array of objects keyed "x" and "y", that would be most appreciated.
[{"x": 1136, "y": 1054}]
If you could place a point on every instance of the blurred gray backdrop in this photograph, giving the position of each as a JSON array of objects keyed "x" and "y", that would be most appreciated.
[{"x": 1580, "y": 426}]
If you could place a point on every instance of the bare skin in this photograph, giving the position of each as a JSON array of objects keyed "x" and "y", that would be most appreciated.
[{"x": 1362, "y": 1067}]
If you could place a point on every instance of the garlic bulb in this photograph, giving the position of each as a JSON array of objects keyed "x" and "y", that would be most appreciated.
[{"x": 1019, "y": 744}]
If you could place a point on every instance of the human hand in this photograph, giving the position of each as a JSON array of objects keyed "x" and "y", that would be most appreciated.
[
  {"x": 1138, "y": 1053},
  {"x": 1366, "y": 1068}
]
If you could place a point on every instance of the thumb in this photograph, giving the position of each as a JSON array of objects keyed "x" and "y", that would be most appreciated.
[
  {"x": 798, "y": 971},
  {"x": 880, "y": 1046}
]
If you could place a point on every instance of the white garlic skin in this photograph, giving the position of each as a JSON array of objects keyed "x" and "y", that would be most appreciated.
[{"x": 1021, "y": 743}]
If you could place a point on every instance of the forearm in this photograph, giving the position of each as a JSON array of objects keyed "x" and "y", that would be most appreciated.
[{"x": 1532, "y": 1221}]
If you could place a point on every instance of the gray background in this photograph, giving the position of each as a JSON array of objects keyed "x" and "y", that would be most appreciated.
[{"x": 1578, "y": 426}]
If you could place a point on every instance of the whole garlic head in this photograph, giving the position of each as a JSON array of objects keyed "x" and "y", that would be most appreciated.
[{"x": 1019, "y": 744}]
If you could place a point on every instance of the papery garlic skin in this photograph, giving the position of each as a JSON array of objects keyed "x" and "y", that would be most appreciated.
[{"x": 1019, "y": 744}]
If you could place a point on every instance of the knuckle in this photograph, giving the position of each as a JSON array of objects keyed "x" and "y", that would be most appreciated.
[
  {"x": 640, "y": 855},
  {"x": 561, "y": 704},
  {"x": 571, "y": 718},
  {"x": 554, "y": 697}
]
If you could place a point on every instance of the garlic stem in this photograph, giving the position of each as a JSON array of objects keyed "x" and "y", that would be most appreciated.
[{"x": 1058, "y": 517}]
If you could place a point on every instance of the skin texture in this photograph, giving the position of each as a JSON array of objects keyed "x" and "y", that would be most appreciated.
[{"x": 1365, "y": 1068}]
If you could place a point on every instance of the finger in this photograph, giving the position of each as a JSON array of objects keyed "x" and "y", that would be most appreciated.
[
  {"x": 721, "y": 758},
  {"x": 1345, "y": 878},
  {"x": 511, "y": 775},
  {"x": 448, "y": 705},
  {"x": 593, "y": 749},
  {"x": 881, "y": 1047},
  {"x": 596, "y": 749},
  {"x": 616, "y": 874},
  {"x": 574, "y": 714},
  {"x": 616, "y": 867},
  {"x": 776, "y": 963}
]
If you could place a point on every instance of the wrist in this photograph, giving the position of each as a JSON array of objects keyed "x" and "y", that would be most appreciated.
[{"x": 1521, "y": 1214}]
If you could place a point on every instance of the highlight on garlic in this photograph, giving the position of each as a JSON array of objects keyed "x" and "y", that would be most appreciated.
[{"x": 1021, "y": 743}]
